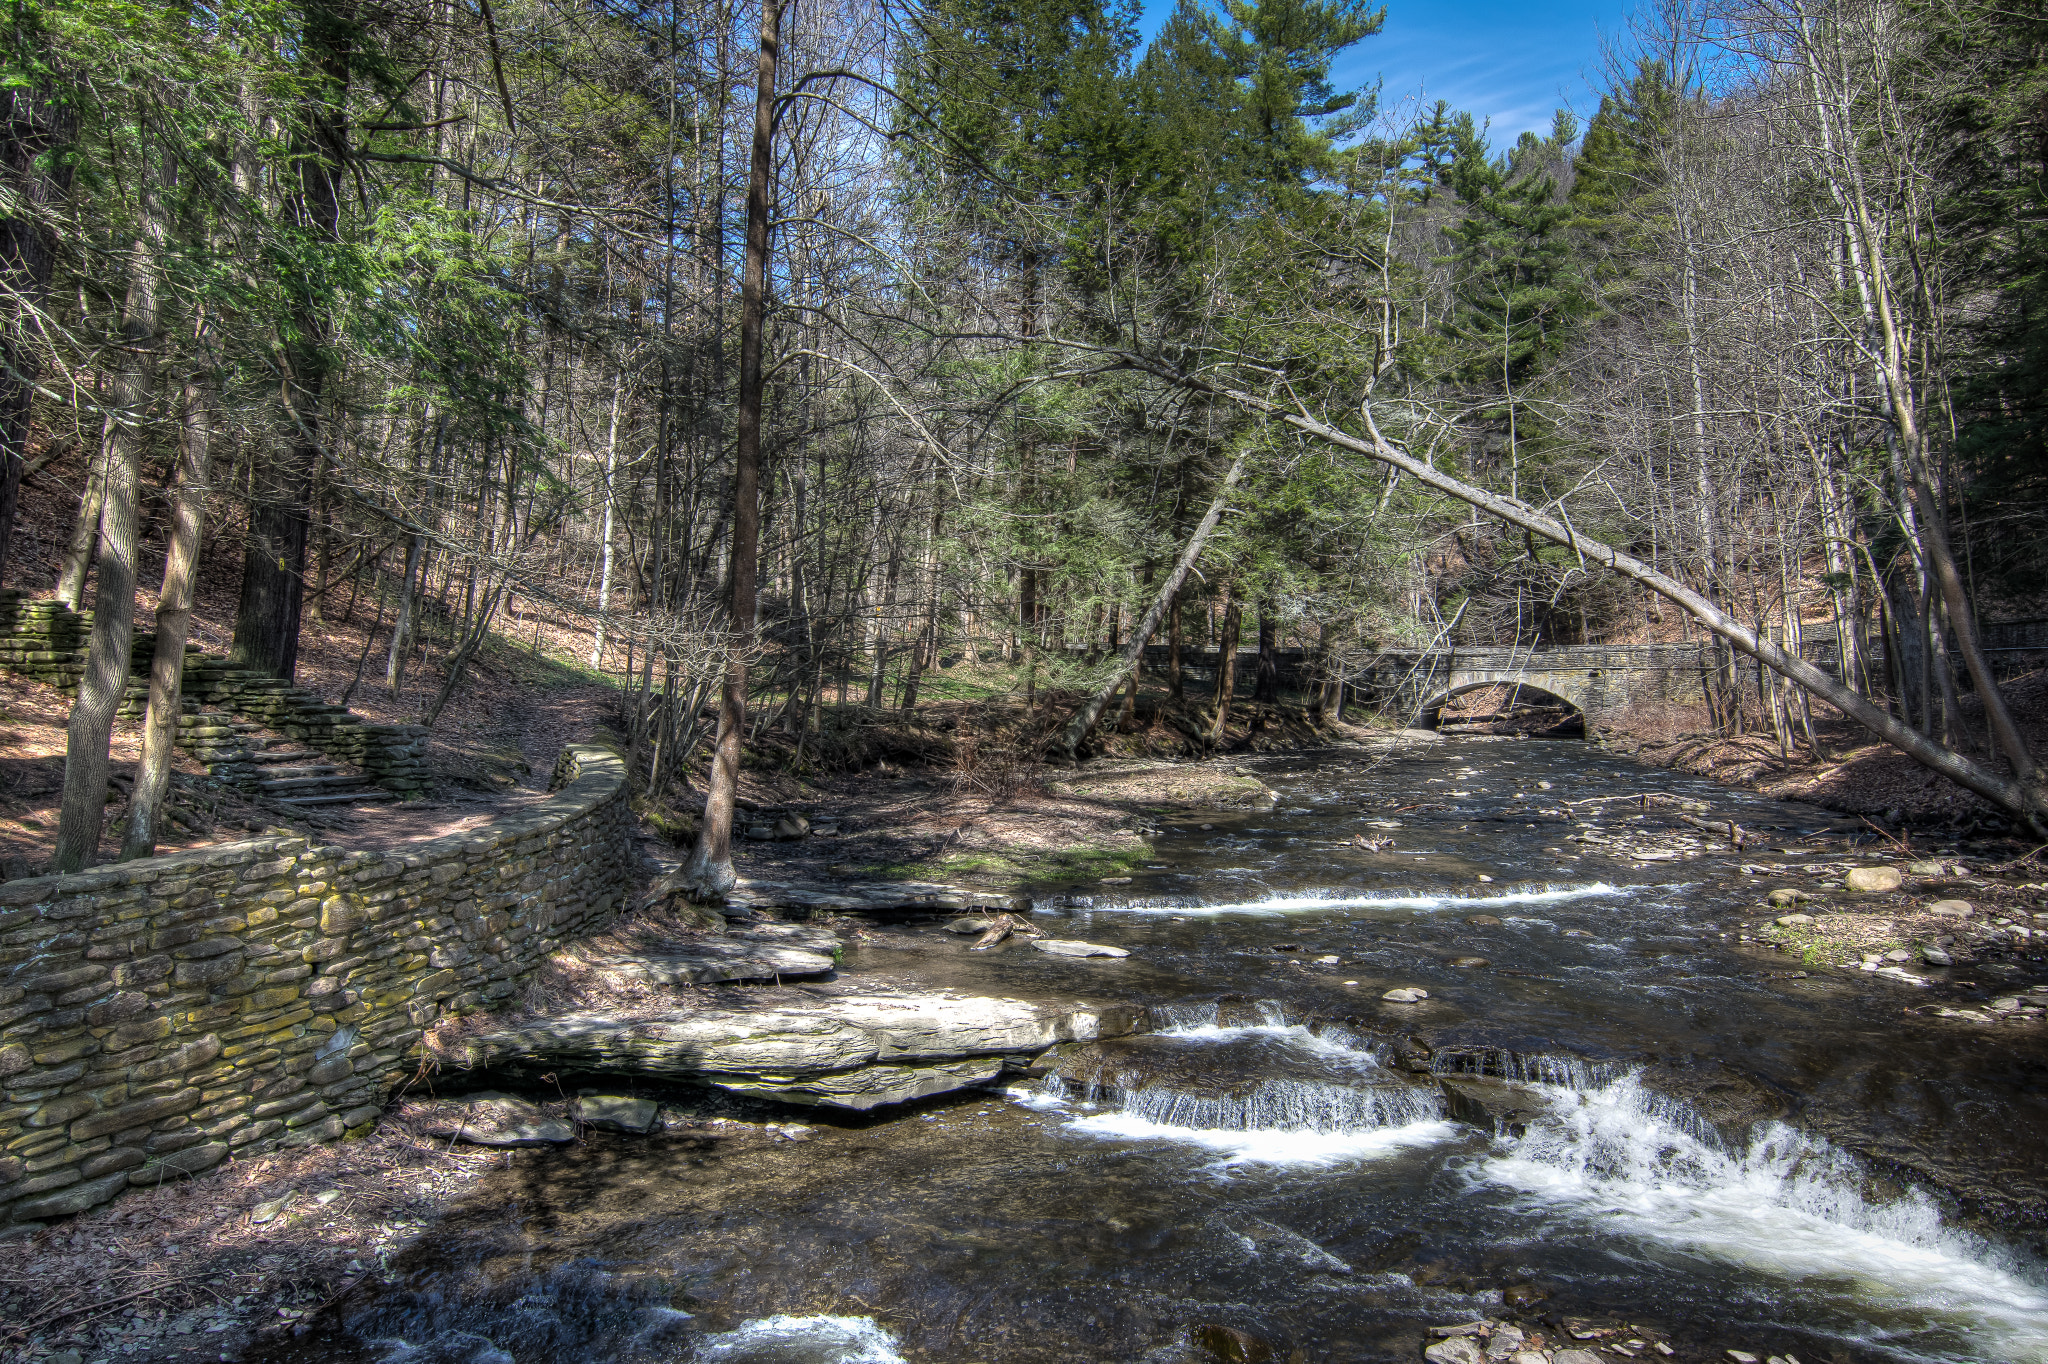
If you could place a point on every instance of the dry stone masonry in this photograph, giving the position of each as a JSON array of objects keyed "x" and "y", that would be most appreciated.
[
  {"x": 160, "y": 1015},
  {"x": 46, "y": 640}
]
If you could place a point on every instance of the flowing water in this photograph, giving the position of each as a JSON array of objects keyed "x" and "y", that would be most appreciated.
[{"x": 1624, "y": 1109}]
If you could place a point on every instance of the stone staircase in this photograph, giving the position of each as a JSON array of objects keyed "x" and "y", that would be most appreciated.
[
  {"x": 294, "y": 776},
  {"x": 252, "y": 731}
]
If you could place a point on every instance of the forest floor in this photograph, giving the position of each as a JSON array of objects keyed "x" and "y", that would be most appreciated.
[{"x": 1854, "y": 773}]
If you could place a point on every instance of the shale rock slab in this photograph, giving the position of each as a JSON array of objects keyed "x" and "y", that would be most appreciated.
[
  {"x": 766, "y": 952},
  {"x": 855, "y": 1051},
  {"x": 617, "y": 1113},
  {"x": 870, "y": 897}
]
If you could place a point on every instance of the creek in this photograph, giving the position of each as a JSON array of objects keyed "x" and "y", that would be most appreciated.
[{"x": 1705, "y": 1141}]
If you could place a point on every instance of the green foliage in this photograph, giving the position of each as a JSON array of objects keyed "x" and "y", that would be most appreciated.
[
  {"x": 1989, "y": 89},
  {"x": 1519, "y": 281}
]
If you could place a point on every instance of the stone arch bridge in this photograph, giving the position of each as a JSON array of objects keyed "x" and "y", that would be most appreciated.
[{"x": 1601, "y": 681}]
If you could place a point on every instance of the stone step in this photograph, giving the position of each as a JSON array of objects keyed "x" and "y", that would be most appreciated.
[
  {"x": 330, "y": 782},
  {"x": 348, "y": 798},
  {"x": 275, "y": 775},
  {"x": 276, "y": 756}
]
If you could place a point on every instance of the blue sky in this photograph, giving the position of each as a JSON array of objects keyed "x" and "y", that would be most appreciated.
[{"x": 1512, "y": 63}]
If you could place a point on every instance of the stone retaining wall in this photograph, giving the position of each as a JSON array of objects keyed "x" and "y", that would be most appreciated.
[
  {"x": 47, "y": 640},
  {"x": 158, "y": 1016}
]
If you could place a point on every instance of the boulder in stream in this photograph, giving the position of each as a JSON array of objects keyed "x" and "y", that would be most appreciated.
[
  {"x": 1872, "y": 880},
  {"x": 1498, "y": 1106},
  {"x": 1456, "y": 1350},
  {"x": 1406, "y": 994},
  {"x": 1232, "y": 1346}
]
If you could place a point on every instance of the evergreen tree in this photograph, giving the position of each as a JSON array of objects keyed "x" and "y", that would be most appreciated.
[{"x": 1518, "y": 276}]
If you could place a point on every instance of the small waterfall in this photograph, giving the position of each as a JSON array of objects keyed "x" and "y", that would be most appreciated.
[
  {"x": 1191, "y": 1017},
  {"x": 1314, "y": 901},
  {"x": 1616, "y": 1158},
  {"x": 1287, "y": 1106},
  {"x": 1562, "y": 1071},
  {"x": 1266, "y": 1092},
  {"x": 801, "y": 1340}
]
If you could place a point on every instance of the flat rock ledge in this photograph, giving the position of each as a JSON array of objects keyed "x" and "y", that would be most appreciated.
[
  {"x": 765, "y": 952},
  {"x": 872, "y": 897},
  {"x": 854, "y": 1052}
]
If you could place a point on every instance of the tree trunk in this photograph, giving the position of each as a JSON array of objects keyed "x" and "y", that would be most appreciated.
[
  {"x": 173, "y": 622},
  {"x": 1268, "y": 688},
  {"x": 1226, "y": 664},
  {"x": 710, "y": 874},
  {"x": 85, "y": 533},
  {"x": 274, "y": 560},
  {"x": 1175, "y": 686},
  {"x": 1086, "y": 718},
  {"x": 408, "y": 610},
  {"x": 604, "y": 577},
  {"x": 84, "y": 810}
]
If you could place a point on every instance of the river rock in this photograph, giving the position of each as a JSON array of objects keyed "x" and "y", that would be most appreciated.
[
  {"x": 1470, "y": 963},
  {"x": 1498, "y": 1106},
  {"x": 1505, "y": 1341},
  {"x": 488, "y": 1118},
  {"x": 1935, "y": 956},
  {"x": 1068, "y": 947},
  {"x": 617, "y": 1113},
  {"x": 1951, "y": 909},
  {"x": 855, "y": 1051},
  {"x": 1785, "y": 897},
  {"x": 791, "y": 827},
  {"x": 1406, "y": 994},
  {"x": 1483, "y": 921},
  {"x": 1923, "y": 869},
  {"x": 1872, "y": 880},
  {"x": 1794, "y": 920},
  {"x": 970, "y": 925},
  {"x": 1579, "y": 933},
  {"x": 1232, "y": 1346},
  {"x": 1577, "y": 1357},
  {"x": 1456, "y": 1350}
]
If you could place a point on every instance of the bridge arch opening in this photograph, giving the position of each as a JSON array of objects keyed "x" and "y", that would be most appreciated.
[{"x": 1503, "y": 708}]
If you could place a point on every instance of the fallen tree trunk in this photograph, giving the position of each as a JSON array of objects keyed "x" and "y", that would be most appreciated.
[
  {"x": 1090, "y": 714},
  {"x": 2024, "y": 799}
]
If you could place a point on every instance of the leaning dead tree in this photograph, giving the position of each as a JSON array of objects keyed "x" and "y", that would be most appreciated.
[{"x": 2021, "y": 795}]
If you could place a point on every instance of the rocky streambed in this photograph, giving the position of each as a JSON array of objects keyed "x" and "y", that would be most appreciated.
[{"x": 1462, "y": 1050}]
